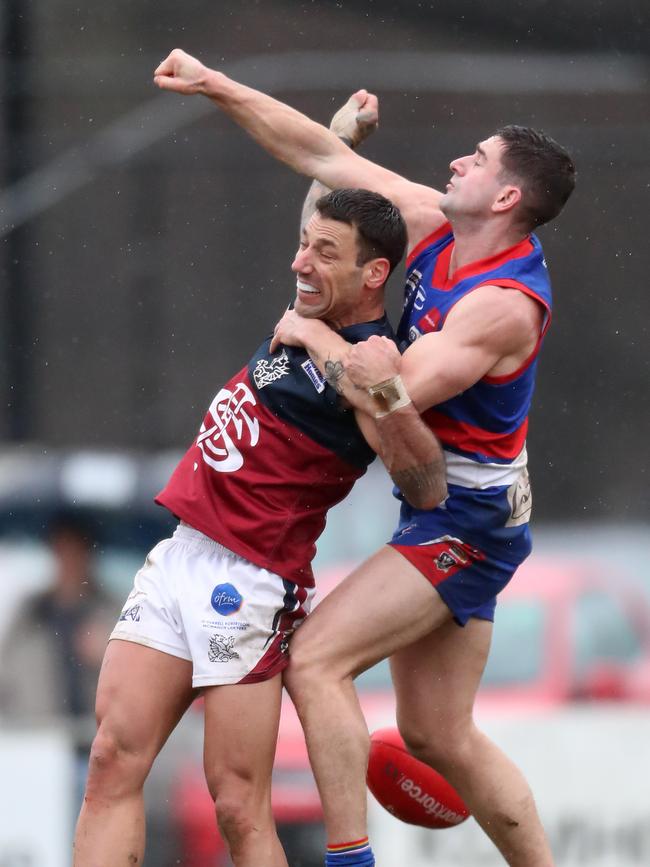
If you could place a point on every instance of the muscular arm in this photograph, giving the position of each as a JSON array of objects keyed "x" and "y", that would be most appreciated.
[
  {"x": 307, "y": 147},
  {"x": 411, "y": 454},
  {"x": 491, "y": 331},
  {"x": 409, "y": 449}
]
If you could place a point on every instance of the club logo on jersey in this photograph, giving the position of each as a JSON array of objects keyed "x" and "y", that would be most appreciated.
[
  {"x": 314, "y": 374},
  {"x": 266, "y": 372},
  {"x": 226, "y": 599},
  {"x": 221, "y": 648},
  {"x": 228, "y": 420}
]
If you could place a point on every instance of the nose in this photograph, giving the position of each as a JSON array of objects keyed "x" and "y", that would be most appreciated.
[
  {"x": 457, "y": 166},
  {"x": 301, "y": 262}
]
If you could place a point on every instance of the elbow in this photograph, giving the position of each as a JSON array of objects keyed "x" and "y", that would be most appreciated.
[{"x": 427, "y": 497}]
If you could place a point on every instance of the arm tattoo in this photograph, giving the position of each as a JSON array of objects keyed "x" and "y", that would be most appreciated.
[
  {"x": 334, "y": 372},
  {"x": 419, "y": 478}
]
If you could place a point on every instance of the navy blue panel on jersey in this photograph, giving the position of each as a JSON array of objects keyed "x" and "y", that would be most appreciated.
[{"x": 291, "y": 386}]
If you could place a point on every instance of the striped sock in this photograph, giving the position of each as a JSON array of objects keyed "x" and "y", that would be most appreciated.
[{"x": 355, "y": 854}]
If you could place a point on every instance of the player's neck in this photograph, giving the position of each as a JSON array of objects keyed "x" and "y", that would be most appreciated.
[
  {"x": 473, "y": 243},
  {"x": 367, "y": 313}
]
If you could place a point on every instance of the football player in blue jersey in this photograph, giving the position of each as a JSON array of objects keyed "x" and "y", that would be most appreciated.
[{"x": 477, "y": 306}]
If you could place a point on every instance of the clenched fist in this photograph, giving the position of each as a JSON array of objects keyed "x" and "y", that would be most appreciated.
[
  {"x": 181, "y": 73},
  {"x": 357, "y": 119}
]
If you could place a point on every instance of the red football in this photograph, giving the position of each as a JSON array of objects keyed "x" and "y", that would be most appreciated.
[{"x": 409, "y": 789}]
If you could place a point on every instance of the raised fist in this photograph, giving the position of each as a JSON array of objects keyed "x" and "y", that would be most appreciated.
[
  {"x": 357, "y": 119},
  {"x": 181, "y": 73}
]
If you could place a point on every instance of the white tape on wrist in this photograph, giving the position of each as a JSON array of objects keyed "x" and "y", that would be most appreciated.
[{"x": 389, "y": 395}]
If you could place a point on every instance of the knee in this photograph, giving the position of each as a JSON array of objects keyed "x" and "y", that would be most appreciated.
[
  {"x": 114, "y": 765},
  {"x": 241, "y": 809},
  {"x": 443, "y": 748},
  {"x": 306, "y": 671}
]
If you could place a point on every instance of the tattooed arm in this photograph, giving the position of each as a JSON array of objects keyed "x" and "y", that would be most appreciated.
[{"x": 389, "y": 421}]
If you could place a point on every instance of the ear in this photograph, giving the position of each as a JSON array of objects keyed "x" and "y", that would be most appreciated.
[
  {"x": 376, "y": 273},
  {"x": 509, "y": 196}
]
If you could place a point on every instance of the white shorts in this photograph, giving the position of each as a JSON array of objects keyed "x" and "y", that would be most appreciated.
[{"x": 197, "y": 600}]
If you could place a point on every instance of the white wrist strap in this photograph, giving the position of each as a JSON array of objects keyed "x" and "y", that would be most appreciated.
[{"x": 389, "y": 396}]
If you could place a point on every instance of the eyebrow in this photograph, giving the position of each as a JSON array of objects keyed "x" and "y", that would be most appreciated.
[
  {"x": 319, "y": 243},
  {"x": 480, "y": 151}
]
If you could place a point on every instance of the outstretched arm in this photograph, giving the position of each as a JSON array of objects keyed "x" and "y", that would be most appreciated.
[{"x": 305, "y": 146}]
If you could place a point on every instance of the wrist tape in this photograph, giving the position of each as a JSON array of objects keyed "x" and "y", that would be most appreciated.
[{"x": 389, "y": 396}]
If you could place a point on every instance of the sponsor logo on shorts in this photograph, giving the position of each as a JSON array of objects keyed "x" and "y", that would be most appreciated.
[
  {"x": 314, "y": 374},
  {"x": 132, "y": 613},
  {"x": 226, "y": 599},
  {"x": 444, "y": 561},
  {"x": 452, "y": 553},
  {"x": 221, "y": 648},
  {"x": 266, "y": 372}
]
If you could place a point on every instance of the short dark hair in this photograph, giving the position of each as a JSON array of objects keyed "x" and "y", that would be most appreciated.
[
  {"x": 544, "y": 169},
  {"x": 380, "y": 226}
]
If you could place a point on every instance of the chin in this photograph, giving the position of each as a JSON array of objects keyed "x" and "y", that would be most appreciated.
[{"x": 306, "y": 311}]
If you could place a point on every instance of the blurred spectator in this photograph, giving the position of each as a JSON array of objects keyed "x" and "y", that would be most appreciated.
[{"x": 52, "y": 650}]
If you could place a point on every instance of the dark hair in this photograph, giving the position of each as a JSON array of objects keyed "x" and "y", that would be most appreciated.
[
  {"x": 381, "y": 229},
  {"x": 544, "y": 169}
]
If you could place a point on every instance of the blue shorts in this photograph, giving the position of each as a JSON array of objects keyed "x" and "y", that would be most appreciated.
[{"x": 464, "y": 549}]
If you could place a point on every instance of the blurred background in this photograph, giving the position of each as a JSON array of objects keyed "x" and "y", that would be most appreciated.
[{"x": 146, "y": 245}]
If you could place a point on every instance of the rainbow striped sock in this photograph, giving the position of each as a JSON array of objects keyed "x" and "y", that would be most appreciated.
[{"x": 355, "y": 854}]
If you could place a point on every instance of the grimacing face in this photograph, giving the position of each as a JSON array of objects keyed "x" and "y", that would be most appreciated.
[{"x": 329, "y": 282}]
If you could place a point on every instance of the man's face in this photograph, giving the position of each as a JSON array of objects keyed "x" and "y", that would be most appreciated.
[
  {"x": 476, "y": 181},
  {"x": 329, "y": 281}
]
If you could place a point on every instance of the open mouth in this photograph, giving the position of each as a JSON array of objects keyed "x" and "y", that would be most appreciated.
[{"x": 306, "y": 288}]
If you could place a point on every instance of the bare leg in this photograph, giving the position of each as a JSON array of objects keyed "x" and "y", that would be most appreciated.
[
  {"x": 383, "y": 605},
  {"x": 141, "y": 695},
  {"x": 241, "y": 731},
  {"x": 436, "y": 681}
]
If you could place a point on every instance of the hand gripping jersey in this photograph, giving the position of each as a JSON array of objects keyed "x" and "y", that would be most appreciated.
[
  {"x": 483, "y": 430},
  {"x": 275, "y": 451}
]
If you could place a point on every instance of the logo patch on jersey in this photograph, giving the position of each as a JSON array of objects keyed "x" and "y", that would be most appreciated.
[
  {"x": 226, "y": 599},
  {"x": 228, "y": 420},
  {"x": 221, "y": 648},
  {"x": 430, "y": 321},
  {"x": 266, "y": 372},
  {"x": 314, "y": 374}
]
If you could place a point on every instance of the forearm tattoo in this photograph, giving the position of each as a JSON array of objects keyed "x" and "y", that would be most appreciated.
[
  {"x": 419, "y": 478},
  {"x": 334, "y": 372}
]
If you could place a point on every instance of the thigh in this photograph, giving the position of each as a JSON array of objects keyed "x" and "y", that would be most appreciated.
[
  {"x": 241, "y": 731},
  {"x": 382, "y": 606},
  {"x": 141, "y": 695},
  {"x": 437, "y": 677}
]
